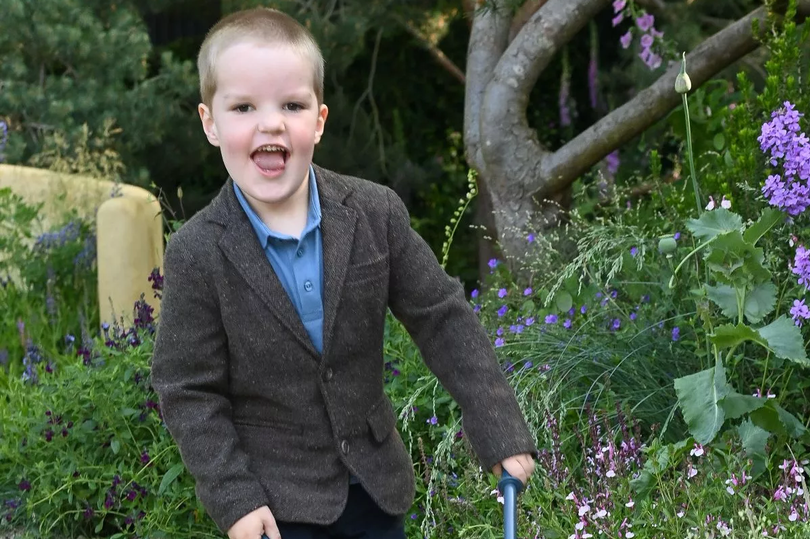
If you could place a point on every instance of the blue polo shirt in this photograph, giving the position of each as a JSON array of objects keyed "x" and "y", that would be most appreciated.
[{"x": 298, "y": 262}]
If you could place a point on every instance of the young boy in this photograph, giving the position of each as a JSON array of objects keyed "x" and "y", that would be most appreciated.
[{"x": 268, "y": 360}]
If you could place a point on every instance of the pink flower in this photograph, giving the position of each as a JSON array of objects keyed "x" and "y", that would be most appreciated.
[
  {"x": 645, "y": 22},
  {"x": 626, "y": 39},
  {"x": 618, "y": 19},
  {"x": 618, "y": 5}
]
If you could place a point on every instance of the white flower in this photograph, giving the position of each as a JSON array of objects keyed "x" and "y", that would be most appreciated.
[
  {"x": 629, "y": 535},
  {"x": 611, "y": 473},
  {"x": 730, "y": 490},
  {"x": 793, "y": 516},
  {"x": 500, "y": 498},
  {"x": 602, "y": 513},
  {"x": 697, "y": 451},
  {"x": 710, "y": 205},
  {"x": 631, "y": 503},
  {"x": 580, "y": 525},
  {"x": 725, "y": 203},
  {"x": 570, "y": 496},
  {"x": 692, "y": 472},
  {"x": 680, "y": 514},
  {"x": 584, "y": 509}
]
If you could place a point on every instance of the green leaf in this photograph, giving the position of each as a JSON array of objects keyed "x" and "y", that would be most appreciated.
[
  {"x": 564, "y": 301},
  {"x": 699, "y": 396},
  {"x": 785, "y": 339},
  {"x": 170, "y": 476},
  {"x": 719, "y": 141},
  {"x": 736, "y": 405},
  {"x": 728, "y": 336},
  {"x": 737, "y": 262},
  {"x": 769, "y": 218},
  {"x": 115, "y": 445},
  {"x": 754, "y": 440},
  {"x": 776, "y": 419},
  {"x": 713, "y": 223},
  {"x": 725, "y": 298},
  {"x": 759, "y": 302}
]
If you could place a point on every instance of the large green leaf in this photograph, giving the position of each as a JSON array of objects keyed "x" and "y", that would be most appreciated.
[
  {"x": 736, "y": 405},
  {"x": 776, "y": 419},
  {"x": 759, "y": 302},
  {"x": 728, "y": 336},
  {"x": 170, "y": 476},
  {"x": 785, "y": 339},
  {"x": 714, "y": 223},
  {"x": 699, "y": 396},
  {"x": 754, "y": 440},
  {"x": 769, "y": 218},
  {"x": 725, "y": 298},
  {"x": 736, "y": 262}
]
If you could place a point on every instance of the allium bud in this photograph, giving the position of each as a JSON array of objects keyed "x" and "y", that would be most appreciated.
[
  {"x": 682, "y": 82},
  {"x": 667, "y": 245}
]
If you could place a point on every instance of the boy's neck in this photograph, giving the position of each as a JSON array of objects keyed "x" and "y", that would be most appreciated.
[{"x": 289, "y": 218}]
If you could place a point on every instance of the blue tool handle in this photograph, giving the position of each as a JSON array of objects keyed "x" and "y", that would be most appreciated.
[{"x": 509, "y": 486}]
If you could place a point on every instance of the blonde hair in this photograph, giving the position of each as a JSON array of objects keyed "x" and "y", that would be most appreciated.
[{"x": 264, "y": 25}]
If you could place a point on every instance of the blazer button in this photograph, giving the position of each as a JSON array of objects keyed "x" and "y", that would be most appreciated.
[
  {"x": 327, "y": 375},
  {"x": 344, "y": 446}
]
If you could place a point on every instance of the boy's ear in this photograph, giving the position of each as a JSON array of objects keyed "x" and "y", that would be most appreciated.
[
  {"x": 208, "y": 124},
  {"x": 323, "y": 112}
]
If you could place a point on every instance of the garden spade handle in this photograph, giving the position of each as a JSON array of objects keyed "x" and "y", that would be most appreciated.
[{"x": 509, "y": 486}]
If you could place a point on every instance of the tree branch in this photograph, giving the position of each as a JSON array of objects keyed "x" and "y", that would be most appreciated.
[
  {"x": 434, "y": 50},
  {"x": 488, "y": 40},
  {"x": 560, "y": 169},
  {"x": 504, "y": 126},
  {"x": 523, "y": 14}
]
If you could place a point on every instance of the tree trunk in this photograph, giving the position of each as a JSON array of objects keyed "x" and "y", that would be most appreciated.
[{"x": 529, "y": 186}]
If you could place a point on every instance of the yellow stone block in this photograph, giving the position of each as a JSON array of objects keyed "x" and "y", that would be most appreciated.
[{"x": 129, "y": 229}]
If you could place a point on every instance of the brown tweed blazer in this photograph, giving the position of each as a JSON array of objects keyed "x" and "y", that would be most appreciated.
[{"x": 260, "y": 418}]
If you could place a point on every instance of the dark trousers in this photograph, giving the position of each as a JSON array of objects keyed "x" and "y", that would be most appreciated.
[{"x": 362, "y": 519}]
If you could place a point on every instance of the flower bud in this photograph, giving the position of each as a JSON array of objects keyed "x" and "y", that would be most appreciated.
[
  {"x": 682, "y": 82},
  {"x": 667, "y": 245}
]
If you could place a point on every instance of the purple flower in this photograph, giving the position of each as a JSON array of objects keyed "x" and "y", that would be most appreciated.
[
  {"x": 626, "y": 39},
  {"x": 567, "y": 323},
  {"x": 145, "y": 458},
  {"x": 633, "y": 316},
  {"x": 799, "y": 312},
  {"x": 88, "y": 513},
  {"x": 502, "y": 293},
  {"x": 499, "y": 331},
  {"x": 801, "y": 265},
  {"x": 677, "y": 236},
  {"x": 782, "y": 139},
  {"x": 633, "y": 251},
  {"x": 676, "y": 333},
  {"x": 645, "y": 22},
  {"x": 618, "y": 5},
  {"x": 647, "y": 40},
  {"x": 617, "y": 19},
  {"x": 551, "y": 319},
  {"x": 527, "y": 292},
  {"x": 493, "y": 262},
  {"x": 612, "y": 160},
  {"x": 499, "y": 342},
  {"x": 583, "y": 309},
  {"x": 477, "y": 308},
  {"x": 502, "y": 310},
  {"x": 616, "y": 323},
  {"x": 530, "y": 238},
  {"x": 474, "y": 293},
  {"x": 530, "y": 321},
  {"x": 24, "y": 485},
  {"x": 432, "y": 421}
]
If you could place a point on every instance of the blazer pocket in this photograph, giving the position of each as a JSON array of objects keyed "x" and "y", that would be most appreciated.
[
  {"x": 283, "y": 426},
  {"x": 381, "y": 419},
  {"x": 357, "y": 274}
]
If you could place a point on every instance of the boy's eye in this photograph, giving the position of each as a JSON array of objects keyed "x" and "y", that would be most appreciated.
[
  {"x": 242, "y": 108},
  {"x": 294, "y": 107}
]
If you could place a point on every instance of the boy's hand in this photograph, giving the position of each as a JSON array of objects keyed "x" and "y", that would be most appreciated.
[
  {"x": 254, "y": 524},
  {"x": 520, "y": 466}
]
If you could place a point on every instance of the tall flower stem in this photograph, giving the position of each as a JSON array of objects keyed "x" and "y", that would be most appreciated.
[{"x": 682, "y": 85}]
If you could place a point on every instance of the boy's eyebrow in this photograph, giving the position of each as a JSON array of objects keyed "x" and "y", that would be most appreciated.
[{"x": 301, "y": 95}]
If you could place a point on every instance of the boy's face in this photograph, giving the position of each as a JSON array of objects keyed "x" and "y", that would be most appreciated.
[{"x": 266, "y": 120}]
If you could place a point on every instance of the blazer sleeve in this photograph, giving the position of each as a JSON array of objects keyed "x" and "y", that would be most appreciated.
[
  {"x": 190, "y": 375},
  {"x": 454, "y": 345}
]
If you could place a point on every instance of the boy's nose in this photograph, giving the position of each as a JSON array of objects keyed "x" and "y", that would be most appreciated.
[{"x": 271, "y": 122}]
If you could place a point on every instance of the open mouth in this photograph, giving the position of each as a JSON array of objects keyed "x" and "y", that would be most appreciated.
[{"x": 270, "y": 158}]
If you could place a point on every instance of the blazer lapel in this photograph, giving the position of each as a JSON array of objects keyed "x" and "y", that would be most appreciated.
[
  {"x": 240, "y": 245},
  {"x": 337, "y": 234}
]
